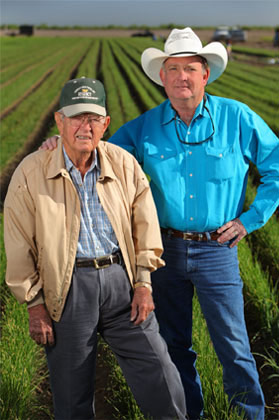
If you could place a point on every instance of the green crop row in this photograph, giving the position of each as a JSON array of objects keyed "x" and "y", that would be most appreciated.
[
  {"x": 253, "y": 70},
  {"x": 19, "y": 53},
  {"x": 117, "y": 90},
  {"x": 235, "y": 84},
  {"x": 133, "y": 77},
  {"x": 27, "y": 81},
  {"x": 116, "y": 63},
  {"x": 31, "y": 53},
  {"x": 18, "y": 126},
  {"x": 267, "y": 112},
  {"x": 257, "y": 85},
  {"x": 259, "y": 52},
  {"x": 21, "y": 360},
  {"x": 156, "y": 93}
]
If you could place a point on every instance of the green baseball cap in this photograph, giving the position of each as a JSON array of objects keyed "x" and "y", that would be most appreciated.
[{"x": 84, "y": 95}]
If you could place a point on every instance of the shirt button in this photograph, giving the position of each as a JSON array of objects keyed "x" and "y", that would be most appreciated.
[
  {"x": 191, "y": 218},
  {"x": 221, "y": 155},
  {"x": 191, "y": 196},
  {"x": 162, "y": 156},
  {"x": 190, "y": 174},
  {"x": 190, "y": 153},
  {"x": 188, "y": 132}
]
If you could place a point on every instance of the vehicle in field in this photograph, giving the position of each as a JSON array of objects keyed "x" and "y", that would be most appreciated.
[
  {"x": 225, "y": 33},
  {"x": 146, "y": 33},
  {"x": 221, "y": 34},
  {"x": 238, "y": 35}
]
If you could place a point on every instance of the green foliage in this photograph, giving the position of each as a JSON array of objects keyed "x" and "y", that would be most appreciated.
[
  {"x": 259, "y": 52},
  {"x": 39, "y": 103},
  {"x": 2, "y": 254},
  {"x": 117, "y": 63}
]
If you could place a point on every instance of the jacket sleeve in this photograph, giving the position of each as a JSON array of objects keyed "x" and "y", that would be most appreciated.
[
  {"x": 145, "y": 225},
  {"x": 22, "y": 274}
]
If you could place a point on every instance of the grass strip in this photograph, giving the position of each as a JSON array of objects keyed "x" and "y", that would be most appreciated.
[
  {"x": 22, "y": 362},
  {"x": 26, "y": 81},
  {"x": 17, "y": 127},
  {"x": 22, "y": 365}
]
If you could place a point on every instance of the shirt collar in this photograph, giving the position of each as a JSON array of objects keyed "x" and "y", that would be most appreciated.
[
  {"x": 169, "y": 112},
  {"x": 69, "y": 164}
]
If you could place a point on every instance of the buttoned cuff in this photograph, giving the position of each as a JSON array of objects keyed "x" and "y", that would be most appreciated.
[{"x": 143, "y": 274}]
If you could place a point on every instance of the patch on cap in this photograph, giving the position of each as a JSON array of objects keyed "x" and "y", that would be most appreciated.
[{"x": 83, "y": 95}]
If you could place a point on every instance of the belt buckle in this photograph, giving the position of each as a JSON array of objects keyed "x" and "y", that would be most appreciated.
[
  {"x": 97, "y": 260},
  {"x": 186, "y": 236}
]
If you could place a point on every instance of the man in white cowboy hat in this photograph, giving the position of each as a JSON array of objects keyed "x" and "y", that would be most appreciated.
[{"x": 196, "y": 148}]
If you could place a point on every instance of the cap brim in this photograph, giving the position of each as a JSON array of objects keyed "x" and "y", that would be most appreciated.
[
  {"x": 72, "y": 110},
  {"x": 215, "y": 54}
]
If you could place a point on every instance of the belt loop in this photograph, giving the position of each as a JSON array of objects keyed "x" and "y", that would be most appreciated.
[
  {"x": 169, "y": 233},
  {"x": 208, "y": 236}
]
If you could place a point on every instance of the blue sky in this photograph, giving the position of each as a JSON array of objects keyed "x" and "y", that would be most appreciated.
[{"x": 141, "y": 12}]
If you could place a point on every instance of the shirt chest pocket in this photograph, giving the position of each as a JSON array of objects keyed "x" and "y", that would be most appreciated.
[
  {"x": 159, "y": 162},
  {"x": 162, "y": 154},
  {"x": 220, "y": 164}
]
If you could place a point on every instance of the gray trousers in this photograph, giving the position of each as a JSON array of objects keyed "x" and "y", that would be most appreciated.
[{"x": 100, "y": 301}]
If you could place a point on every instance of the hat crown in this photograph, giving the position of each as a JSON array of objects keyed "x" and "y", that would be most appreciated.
[
  {"x": 83, "y": 95},
  {"x": 82, "y": 90},
  {"x": 182, "y": 40}
]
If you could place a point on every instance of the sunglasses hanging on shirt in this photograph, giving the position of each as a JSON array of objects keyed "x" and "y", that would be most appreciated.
[{"x": 198, "y": 142}]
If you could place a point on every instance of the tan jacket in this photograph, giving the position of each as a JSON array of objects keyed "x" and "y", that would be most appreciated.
[{"x": 42, "y": 221}]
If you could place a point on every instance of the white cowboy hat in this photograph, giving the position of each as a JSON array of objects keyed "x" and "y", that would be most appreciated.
[{"x": 184, "y": 43}]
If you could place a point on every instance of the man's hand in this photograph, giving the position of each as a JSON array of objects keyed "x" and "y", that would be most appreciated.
[
  {"x": 40, "y": 325},
  {"x": 49, "y": 144},
  {"x": 232, "y": 229},
  {"x": 142, "y": 305}
]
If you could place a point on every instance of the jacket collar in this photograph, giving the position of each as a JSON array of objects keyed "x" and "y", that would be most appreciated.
[{"x": 55, "y": 164}]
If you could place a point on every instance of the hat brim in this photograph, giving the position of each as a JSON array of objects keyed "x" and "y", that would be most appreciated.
[
  {"x": 214, "y": 53},
  {"x": 72, "y": 110}
]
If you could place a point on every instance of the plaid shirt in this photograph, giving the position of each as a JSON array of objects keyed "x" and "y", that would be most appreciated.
[{"x": 96, "y": 236}]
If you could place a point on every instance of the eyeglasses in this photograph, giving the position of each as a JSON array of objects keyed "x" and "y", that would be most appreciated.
[
  {"x": 78, "y": 120},
  {"x": 197, "y": 142}
]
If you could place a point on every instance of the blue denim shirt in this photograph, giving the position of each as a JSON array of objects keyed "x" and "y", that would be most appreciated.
[
  {"x": 199, "y": 187},
  {"x": 96, "y": 236}
]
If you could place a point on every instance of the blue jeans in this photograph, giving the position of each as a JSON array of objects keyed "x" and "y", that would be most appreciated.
[{"x": 213, "y": 270}]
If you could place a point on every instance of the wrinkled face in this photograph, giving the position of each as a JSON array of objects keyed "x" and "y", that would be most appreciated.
[
  {"x": 184, "y": 78},
  {"x": 82, "y": 133}
]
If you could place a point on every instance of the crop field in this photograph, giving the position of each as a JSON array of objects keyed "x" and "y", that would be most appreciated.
[{"x": 33, "y": 71}]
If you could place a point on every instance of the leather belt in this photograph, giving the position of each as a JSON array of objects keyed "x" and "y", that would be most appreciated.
[
  {"x": 191, "y": 236},
  {"x": 101, "y": 262}
]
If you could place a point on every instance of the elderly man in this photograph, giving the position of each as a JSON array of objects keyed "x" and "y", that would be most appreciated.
[
  {"x": 196, "y": 148},
  {"x": 82, "y": 236}
]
